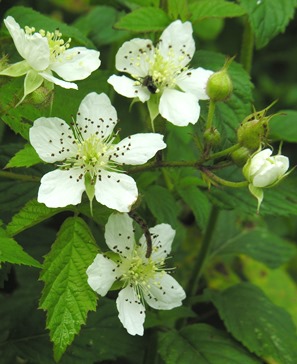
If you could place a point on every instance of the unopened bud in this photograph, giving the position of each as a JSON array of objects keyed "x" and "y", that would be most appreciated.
[
  {"x": 40, "y": 96},
  {"x": 219, "y": 85},
  {"x": 240, "y": 156},
  {"x": 212, "y": 136},
  {"x": 254, "y": 129}
]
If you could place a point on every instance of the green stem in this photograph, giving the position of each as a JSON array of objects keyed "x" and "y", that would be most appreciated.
[
  {"x": 163, "y": 164},
  {"x": 176, "y": 164},
  {"x": 19, "y": 177},
  {"x": 211, "y": 110},
  {"x": 224, "y": 152},
  {"x": 203, "y": 253},
  {"x": 247, "y": 47},
  {"x": 224, "y": 182}
]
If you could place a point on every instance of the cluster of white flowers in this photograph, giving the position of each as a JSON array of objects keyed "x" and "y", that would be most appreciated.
[{"x": 88, "y": 158}]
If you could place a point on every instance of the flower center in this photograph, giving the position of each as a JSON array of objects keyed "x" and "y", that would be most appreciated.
[
  {"x": 139, "y": 272},
  {"x": 163, "y": 71},
  {"x": 92, "y": 155},
  {"x": 57, "y": 45}
]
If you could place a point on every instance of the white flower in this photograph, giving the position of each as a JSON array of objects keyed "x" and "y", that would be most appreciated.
[
  {"x": 162, "y": 71},
  {"x": 263, "y": 170},
  {"x": 143, "y": 279},
  {"x": 87, "y": 157},
  {"x": 45, "y": 53}
]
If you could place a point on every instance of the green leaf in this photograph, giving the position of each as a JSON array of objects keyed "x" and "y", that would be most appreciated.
[
  {"x": 31, "y": 214},
  {"x": 15, "y": 193},
  {"x": 214, "y": 9},
  {"x": 280, "y": 200},
  {"x": 12, "y": 252},
  {"x": 231, "y": 113},
  {"x": 144, "y": 20},
  {"x": 66, "y": 296},
  {"x": 26, "y": 157},
  {"x": 23, "y": 335},
  {"x": 209, "y": 28},
  {"x": 27, "y": 16},
  {"x": 277, "y": 284},
  {"x": 198, "y": 202},
  {"x": 202, "y": 344},
  {"x": 284, "y": 126},
  {"x": 268, "y": 18},
  {"x": 98, "y": 25},
  {"x": 178, "y": 9},
  {"x": 162, "y": 205},
  {"x": 97, "y": 82},
  {"x": 18, "y": 119},
  {"x": 259, "y": 244},
  {"x": 257, "y": 323}
]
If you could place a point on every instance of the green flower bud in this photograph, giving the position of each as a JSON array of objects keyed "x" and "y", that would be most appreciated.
[
  {"x": 40, "y": 96},
  {"x": 219, "y": 85},
  {"x": 240, "y": 156},
  {"x": 254, "y": 129},
  {"x": 212, "y": 136}
]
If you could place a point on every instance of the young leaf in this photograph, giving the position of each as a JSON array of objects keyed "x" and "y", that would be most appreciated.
[
  {"x": 214, "y": 9},
  {"x": 202, "y": 344},
  {"x": 265, "y": 329},
  {"x": 31, "y": 214},
  {"x": 26, "y": 157},
  {"x": 268, "y": 18},
  {"x": 67, "y": 297},
  {"x": 144, "y": 20},
  {"x": 12, "y": 252}
]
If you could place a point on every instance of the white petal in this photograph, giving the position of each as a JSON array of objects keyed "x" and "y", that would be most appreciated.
[
  {"x": 76, "y": 63},
  {"x": 52, "y": 139},
  {"x": 179, "y": 108},
  {"x": 194, "y": 81},
  {"x": 116, "y": 190},
  {"x": 258, "y": 160},
  {"x": 102, "y": 273},
  {"x": 138, "y": 148},
  {"x": 119, "y": 234},
  {"x": 268, "y": 175},
  {"x": 126, "y": 87},
  {"x": 131, "y": 311},
  {"x": 162, "y": 237},
  {"x": 134, "y": 57},
  {"x": 164, "y": 293},
  {"x": 96, "y": 115},
  {"x": 177, "y": 43},
  {"x": 61, "y": 188},
  {"x": 33, "y": 48},
  {"x": 49, "y": 77},
  {"x": 283, "y": 163}
]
